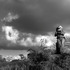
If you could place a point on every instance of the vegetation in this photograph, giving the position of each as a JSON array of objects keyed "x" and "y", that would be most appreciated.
[{"x": 38, "y": 60}]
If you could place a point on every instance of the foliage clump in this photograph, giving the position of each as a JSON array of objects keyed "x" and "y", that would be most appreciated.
[{"x": 39, "y": 60}]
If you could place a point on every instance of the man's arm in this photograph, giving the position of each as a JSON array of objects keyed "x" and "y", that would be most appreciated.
[{"x": 55, "y": 33}]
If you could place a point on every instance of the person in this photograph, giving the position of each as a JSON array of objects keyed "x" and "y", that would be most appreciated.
[{"x": 60, "y": 39}]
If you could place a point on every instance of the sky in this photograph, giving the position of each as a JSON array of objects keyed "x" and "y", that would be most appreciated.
[{"x": 25, "y": 22}]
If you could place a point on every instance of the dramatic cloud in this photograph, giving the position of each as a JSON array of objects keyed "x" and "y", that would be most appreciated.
[
  {"x": 31, "y": 40},
  {"x": 37, "y": 16},
  {"x": 11, "y": 34},
  {"x": 28, "y": 39},
  {"x": 25, "y": 39},
  {"x": 31, "y": 20}
]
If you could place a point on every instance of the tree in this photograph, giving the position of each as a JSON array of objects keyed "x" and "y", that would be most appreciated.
[{"x": 37, "y": 57}]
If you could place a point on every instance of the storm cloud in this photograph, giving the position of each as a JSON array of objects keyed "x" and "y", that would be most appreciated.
[{"x": 37, "y": 17}]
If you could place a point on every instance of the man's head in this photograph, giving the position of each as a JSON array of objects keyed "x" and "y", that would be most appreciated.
[{"x": 59, "y": 28}]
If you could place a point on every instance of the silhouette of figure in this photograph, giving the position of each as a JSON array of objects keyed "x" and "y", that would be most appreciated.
[{"x": 60, "y": 39}]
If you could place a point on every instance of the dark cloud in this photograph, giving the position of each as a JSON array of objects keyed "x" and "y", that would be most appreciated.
[
  {"x": 37, "y": 16},
  {"x": 40, "y": 16}
]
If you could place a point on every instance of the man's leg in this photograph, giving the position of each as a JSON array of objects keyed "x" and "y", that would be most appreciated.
[
  {"x": 58, "y": 46},
  {"x": 63, "y": 44}
]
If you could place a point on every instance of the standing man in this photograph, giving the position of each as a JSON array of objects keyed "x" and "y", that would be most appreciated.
[{"x": 60, "y": 39}]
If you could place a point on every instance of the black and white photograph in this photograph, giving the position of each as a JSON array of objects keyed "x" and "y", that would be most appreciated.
[{"x": 34, "y": 34}]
